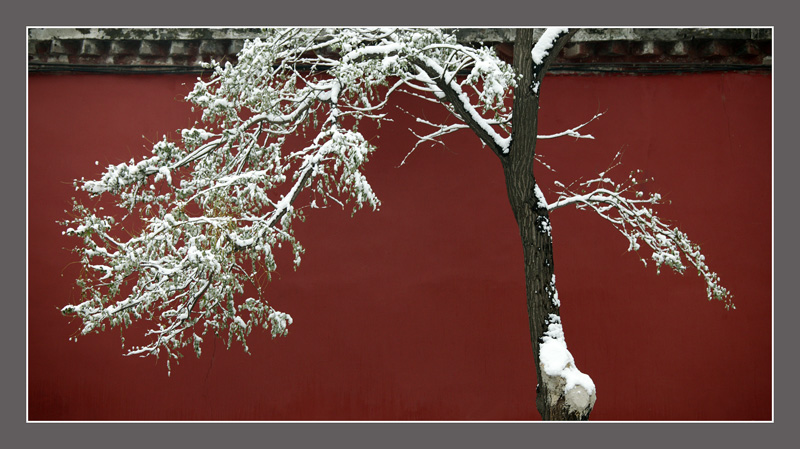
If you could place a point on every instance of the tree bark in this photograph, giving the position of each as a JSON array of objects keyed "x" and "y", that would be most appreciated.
[{"x": 534, "y": 222}]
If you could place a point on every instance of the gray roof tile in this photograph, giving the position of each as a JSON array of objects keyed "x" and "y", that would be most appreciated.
[{"x": 187, "y": 48}]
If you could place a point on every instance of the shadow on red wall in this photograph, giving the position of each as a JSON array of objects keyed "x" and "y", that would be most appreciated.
[{"x": 417, "y": 311}]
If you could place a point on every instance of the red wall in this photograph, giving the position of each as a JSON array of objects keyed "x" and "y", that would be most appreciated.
[{"x": 417, "y": 311}]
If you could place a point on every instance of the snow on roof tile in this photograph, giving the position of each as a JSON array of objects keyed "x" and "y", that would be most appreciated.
[{"x": 184, "y": 49}]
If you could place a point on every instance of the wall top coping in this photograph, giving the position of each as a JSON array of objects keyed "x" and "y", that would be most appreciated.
[{"x": 591, "y": 49}]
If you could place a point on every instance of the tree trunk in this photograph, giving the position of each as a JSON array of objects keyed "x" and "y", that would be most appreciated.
[{"x": 530, "y": 211}]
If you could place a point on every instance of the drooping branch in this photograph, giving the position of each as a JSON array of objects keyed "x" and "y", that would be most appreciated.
[
  {"x": 220, "y": 207},
  {"x": 225, "y": 195},
  {"x": 630, "y": 211}
]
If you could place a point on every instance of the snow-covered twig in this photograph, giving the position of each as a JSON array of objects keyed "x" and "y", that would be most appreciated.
[
  {"x": 573, "y": 132},
  {"x": 629, "y": 210}
]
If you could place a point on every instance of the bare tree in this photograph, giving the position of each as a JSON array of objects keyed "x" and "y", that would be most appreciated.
[{"x": 213, "y": 206}]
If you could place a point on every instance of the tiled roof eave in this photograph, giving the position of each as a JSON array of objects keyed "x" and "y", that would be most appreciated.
[{"x": 177, "y": 50}]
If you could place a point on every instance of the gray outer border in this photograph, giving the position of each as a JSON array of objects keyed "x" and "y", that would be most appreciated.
[{"x": 414, "y": 12}]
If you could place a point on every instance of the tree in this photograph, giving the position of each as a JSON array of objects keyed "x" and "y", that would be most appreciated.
[{"x": 213, "y": 207}]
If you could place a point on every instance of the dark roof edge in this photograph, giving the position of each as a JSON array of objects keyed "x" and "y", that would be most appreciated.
[
  {"x": 465, "y": 34},
  {"x": 173, "y": 50}
]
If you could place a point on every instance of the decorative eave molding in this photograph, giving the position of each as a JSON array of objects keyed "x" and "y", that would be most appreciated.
[{"x": 591, "y": 49}]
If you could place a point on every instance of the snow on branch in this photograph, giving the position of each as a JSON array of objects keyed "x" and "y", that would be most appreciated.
[
  {"x": 573, "y": 132},
  {"x": 629, "y": 210},
  {"x": 432, "y": 73},
  {"x": 203, "y": 216},
  {"x": 542, "y": 49},
  {"x": 545, "y": 44}
]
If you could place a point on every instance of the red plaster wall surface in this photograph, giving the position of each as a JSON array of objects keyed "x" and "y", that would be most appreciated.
[{"x": 417, "y": 311}]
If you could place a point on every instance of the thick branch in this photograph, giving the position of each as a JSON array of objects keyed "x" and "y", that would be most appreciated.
[{"x": 462, "y": 106}]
